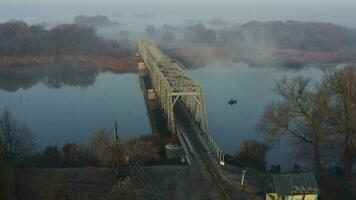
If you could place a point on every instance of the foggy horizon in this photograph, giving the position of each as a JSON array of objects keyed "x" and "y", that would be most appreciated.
[{"x": 239, "y": 11}]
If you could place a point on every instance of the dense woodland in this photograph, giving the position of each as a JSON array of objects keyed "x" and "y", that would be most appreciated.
[
  {"x": 24, "y": 45},
  {"x": 19, "y": 39},
  {"x": 305, "y": 36},
  {"x": 290, "y": 44}
]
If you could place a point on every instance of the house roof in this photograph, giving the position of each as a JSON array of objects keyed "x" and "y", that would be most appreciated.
[{"x": 295, "y": 183}]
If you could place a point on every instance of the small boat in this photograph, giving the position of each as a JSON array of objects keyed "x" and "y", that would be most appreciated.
[{"x": 232, "y": 102}]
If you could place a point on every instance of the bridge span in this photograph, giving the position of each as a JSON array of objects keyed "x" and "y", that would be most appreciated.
[
  {"x": 181, "y": 101},
  {"x": 176, "y": 90}
]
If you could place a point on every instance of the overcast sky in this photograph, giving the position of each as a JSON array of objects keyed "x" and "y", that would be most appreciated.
[{"x": 336, "y": 11}]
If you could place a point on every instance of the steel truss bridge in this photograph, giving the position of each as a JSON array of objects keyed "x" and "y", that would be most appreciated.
[{"x": 172, "y": 85}]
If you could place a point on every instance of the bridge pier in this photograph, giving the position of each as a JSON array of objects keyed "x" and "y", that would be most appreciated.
[{"x": 174, "y": 150}]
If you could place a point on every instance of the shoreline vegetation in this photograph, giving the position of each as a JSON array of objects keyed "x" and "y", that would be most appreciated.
[
  {"x": 27, "y": 45},
  {"x": 116, "y": 65},
  {"x": 288, "y": 44},
  {"x": 201, "y": 55}
]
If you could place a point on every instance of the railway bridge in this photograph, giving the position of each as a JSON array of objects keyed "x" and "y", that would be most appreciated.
[
  {"x": 181, "y": 102},
  {"x": 177, "y": 93}
]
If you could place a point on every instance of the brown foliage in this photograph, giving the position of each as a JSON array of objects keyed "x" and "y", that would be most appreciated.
[
  {"x": 142, "y": 149},
  {"x": 320, "y": 119},
  {"x": 252, "y": 154},
  {"x": 341, "y": 85},
  {"x": 102, "y": 147},
  {"x": 114, "y": 64}
]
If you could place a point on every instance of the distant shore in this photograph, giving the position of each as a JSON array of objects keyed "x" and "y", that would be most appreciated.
[
  {"x": 116, "y": 65},
  {"x": 201, "y": 55}
]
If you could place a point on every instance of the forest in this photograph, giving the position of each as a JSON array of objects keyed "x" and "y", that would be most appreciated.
[
  {"x": 297, "y": 35},
  {"x": 306, "y": 36},
  {"x": 24, "y": 45},
  {"x": 273, "y": 43},
  {"x": 18, "y": 38}
]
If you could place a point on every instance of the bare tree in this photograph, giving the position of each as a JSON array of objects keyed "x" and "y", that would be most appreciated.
[
  {"x": 111, "y": 152},
  {"x": 341, "y": 85},
  {"x": 300, "y": 114},
  {"x": 142, "y": 149},
  {"x": 16, "y": 139},
  {"x": 317, "y": 117},
  {"x": 107, "y": 149},
  {"x": 252, "y": 153},
  {"x": 101, "y": 145}
]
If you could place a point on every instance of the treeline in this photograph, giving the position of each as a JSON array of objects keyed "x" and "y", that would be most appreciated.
[
  {"x": 303, "y": 36},
  {"x": 94, "y": 21},
  {"x": 104, "y": 149},
  {"x": 99, "y": 153},
  {"x": 18, "y": 39}
]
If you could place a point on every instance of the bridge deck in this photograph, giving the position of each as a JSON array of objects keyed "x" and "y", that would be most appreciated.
[{"x": 203, "y": 158}]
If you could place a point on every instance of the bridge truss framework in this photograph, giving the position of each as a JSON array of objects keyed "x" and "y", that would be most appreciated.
[{"x": 171, "y": 83}]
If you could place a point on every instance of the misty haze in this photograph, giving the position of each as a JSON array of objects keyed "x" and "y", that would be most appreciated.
[{"x": 200, "y": 99}]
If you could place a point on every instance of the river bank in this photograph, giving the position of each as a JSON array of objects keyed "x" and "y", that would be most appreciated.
[{"x": 112, "y": 64}]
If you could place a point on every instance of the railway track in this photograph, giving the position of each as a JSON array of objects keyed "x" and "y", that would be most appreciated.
[{"x": 203, "y": 159}]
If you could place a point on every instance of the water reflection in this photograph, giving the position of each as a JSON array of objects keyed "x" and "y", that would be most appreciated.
[
  {"x": 64, "y": 104},
  {"x": 68, "y": 103},
  {"x": 14, "y": 78}
]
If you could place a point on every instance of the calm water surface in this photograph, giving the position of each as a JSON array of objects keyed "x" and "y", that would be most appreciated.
[
  {"x": 253, "y": 89},
  {"x": 69, "y": 105},
  {"x": 66, "y": 104}
]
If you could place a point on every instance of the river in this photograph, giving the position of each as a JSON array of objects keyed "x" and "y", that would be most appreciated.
[{"x": 68, "y": 103}]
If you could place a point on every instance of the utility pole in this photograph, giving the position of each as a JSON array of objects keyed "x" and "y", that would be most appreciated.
[
  {"x": 243, "y": 178},
  {"x": 116, "y": 130},
  {"x": 116, "y": 152}
]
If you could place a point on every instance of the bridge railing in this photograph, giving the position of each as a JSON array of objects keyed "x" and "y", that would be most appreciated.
[{"x": 215, "y": 147}]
